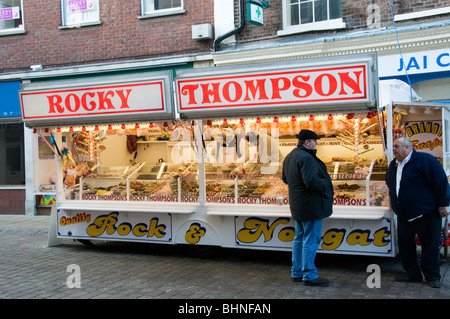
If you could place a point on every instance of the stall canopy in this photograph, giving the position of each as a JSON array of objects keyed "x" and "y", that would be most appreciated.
[
  {"x": 143, "y": 96},
  {"x": 341, "y": 83}
]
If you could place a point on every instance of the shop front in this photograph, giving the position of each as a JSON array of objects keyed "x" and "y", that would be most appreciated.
[{"x": 133, "y": 163}]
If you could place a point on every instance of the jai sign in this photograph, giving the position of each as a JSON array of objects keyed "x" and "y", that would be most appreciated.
[{"x": 415, "y": 63}]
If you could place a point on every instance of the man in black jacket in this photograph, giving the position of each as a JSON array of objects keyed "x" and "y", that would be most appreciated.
[
  {"x": 419, "y": 194},
  {"x": 311, "y": 200}
]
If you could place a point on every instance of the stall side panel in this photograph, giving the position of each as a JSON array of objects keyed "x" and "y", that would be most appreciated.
[
  {"x": 114, "y": 225},
  {"x": 345, "y": 236}
]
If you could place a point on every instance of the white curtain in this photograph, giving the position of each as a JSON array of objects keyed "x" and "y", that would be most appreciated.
[{"x": 80, "y": 11}]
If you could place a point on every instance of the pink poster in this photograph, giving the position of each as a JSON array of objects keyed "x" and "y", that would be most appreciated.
[
  {"x": 9, "y": 13},
  {"x": 79, "y": 5}
]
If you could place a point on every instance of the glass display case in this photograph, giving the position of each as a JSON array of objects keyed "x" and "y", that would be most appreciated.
[
  {"x": 103, "y": 183},
  {"x": 243, "y": 184},
  {"x": 360, "y": 182},
  {"x": 134, "y": 165},
  {"x": 161, "y": 181}
]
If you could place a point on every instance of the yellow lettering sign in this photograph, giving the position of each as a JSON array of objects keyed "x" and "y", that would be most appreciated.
[
  {"x": 102, "y": 223},
  {"x": 107, "y": 223},
  {"x": 360, "y": 237},
  {"x": 333, "y": 238},
  {"x": 195, "y": 232},
  {"x": 379, "y": 237},
  {"x": 255, "y": 227}
]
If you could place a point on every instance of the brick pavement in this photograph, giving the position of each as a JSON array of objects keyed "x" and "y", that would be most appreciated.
[{"x": 111, "y": 270}]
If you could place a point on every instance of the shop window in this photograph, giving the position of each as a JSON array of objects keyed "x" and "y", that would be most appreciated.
[
  {"x": 309, "y": 15},
  {"x": 78, "y": 13},
  {"x": 11, "y": 18},
  {"x": 12, "y": 171},
  {"x": 152, "y": 8}
]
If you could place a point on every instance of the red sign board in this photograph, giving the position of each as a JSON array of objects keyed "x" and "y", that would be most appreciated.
[
  {"x": 275, "y": 88},
  {"x": 120, "y": 100}
]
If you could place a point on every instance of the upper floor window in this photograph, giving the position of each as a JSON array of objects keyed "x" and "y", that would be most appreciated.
[
  {"x": 11, "y": 19},
  {"x": 152, "y": 8},
  {"x": 309, "y": 15},
  {"x": 77, "y": 13}
]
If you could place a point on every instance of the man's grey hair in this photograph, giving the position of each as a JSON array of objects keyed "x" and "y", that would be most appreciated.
[{"x": 407, "y": 142}]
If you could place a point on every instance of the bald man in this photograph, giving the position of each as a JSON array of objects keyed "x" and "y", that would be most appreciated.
[{"x": 419, "y": 195}]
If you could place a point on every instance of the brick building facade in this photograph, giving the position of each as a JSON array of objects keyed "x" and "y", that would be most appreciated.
[
  {"x": 122, "y": 33},
  {"x": 357, "y": 15},
  {"x": 128, "y": 36}
]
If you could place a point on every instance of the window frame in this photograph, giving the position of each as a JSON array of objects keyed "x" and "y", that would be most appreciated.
[
  {"x": 9, "y": 124},
  {"x": 65, "y": 25},
  {"x": 288, "y": 29},
  {"x": 16, "y": 30},
  {"x": 161, "y": 12}
]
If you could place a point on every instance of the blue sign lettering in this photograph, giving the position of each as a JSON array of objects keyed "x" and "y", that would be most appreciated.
[{"x": 440, "y": 63}]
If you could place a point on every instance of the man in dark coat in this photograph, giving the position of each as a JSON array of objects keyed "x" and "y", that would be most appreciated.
[
  {"x": 419, "y": 194},
  {"x": 311, "y": 200}
]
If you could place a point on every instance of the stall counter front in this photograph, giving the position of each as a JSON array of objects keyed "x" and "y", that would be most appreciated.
[{"x": 192, "y": 225}]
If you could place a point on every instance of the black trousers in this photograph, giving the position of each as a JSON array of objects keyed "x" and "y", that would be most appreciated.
[{"x": 428, "y": 229}]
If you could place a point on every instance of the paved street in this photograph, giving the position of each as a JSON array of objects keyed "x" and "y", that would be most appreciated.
[{"x": 30, "y": 270}]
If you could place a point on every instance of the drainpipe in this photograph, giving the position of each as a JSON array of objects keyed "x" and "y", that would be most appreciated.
[{"x": 219, "y": 39}]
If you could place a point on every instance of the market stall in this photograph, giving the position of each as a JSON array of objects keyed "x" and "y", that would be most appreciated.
[
  {"x": 271, "y": 103},
  {"x": 208, "y": 171}
]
